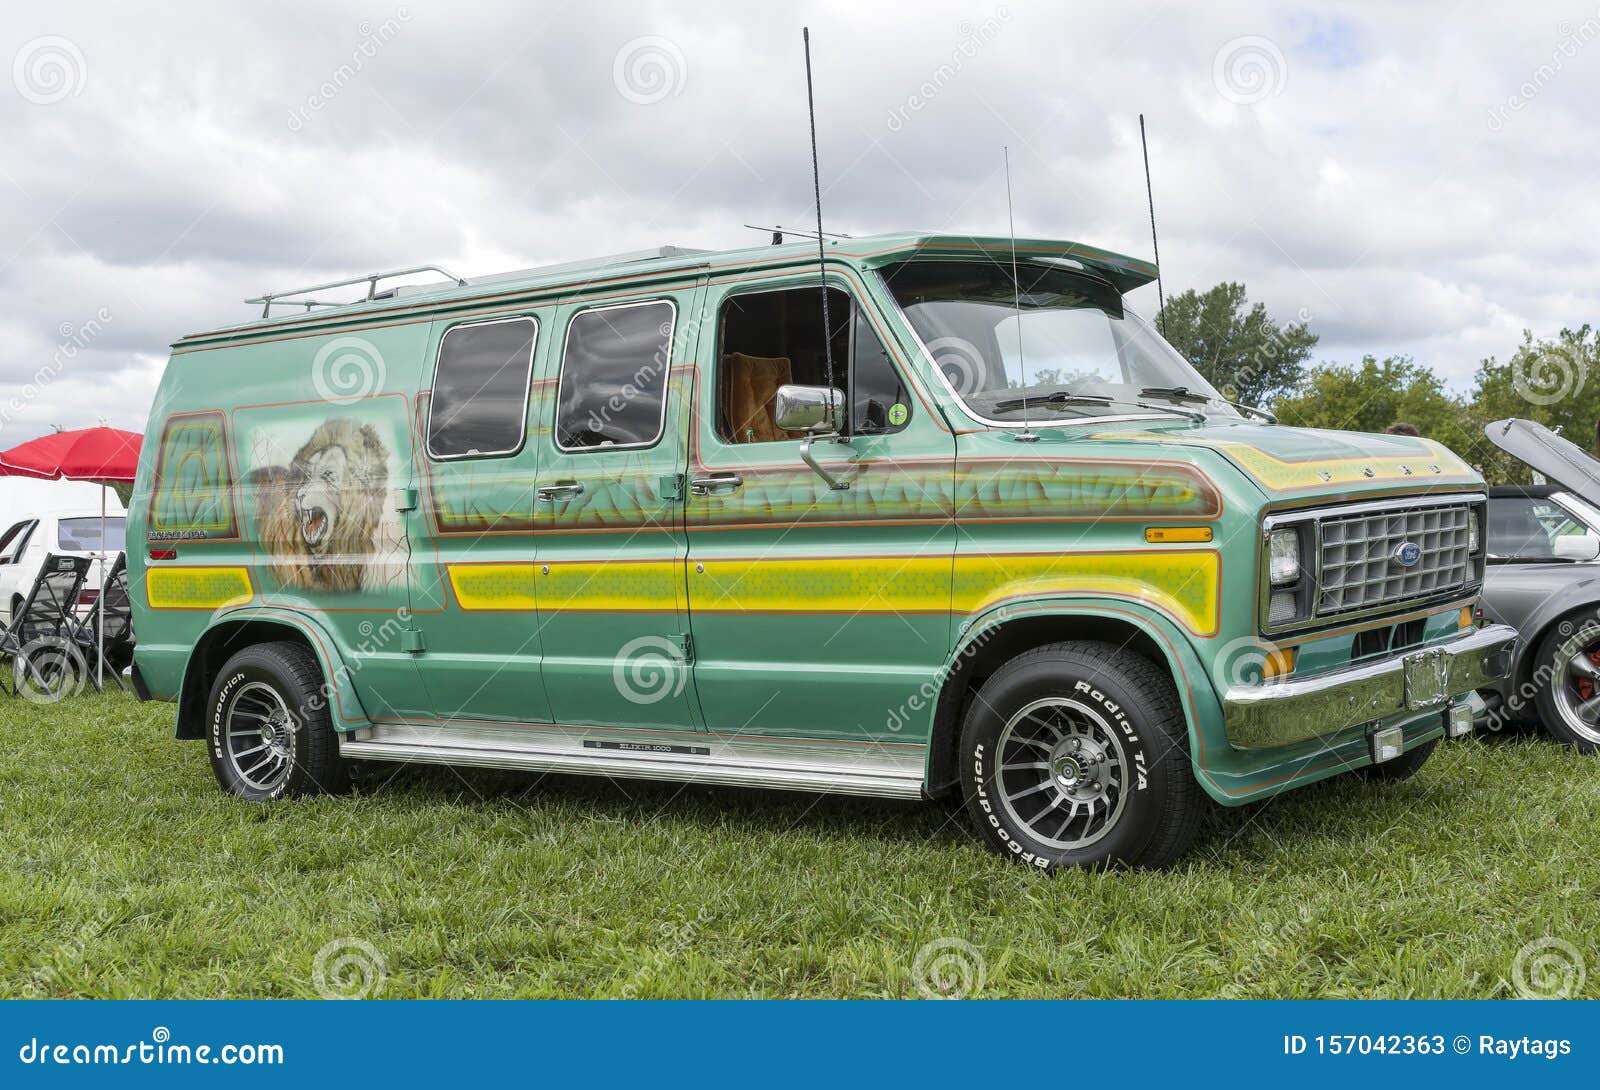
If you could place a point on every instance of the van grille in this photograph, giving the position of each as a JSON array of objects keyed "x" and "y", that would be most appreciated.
[{"x": 1359, "y": 569}]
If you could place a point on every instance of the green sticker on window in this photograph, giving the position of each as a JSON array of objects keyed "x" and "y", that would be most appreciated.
[{"x": 898, "y": 414}]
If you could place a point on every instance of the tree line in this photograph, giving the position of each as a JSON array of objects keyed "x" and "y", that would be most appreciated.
[{"x": 1251, "y": 358}]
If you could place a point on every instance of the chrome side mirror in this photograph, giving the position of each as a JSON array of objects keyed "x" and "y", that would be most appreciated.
[
  {"x": 819, "y": 412},
  {"x": 815, "y": 409}
]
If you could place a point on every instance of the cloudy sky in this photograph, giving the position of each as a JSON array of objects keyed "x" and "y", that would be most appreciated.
[{"x": 1412, "y": 178}]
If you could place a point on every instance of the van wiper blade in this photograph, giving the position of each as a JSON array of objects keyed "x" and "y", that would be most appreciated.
[
  {"x": 1183, "y": 393},
  {"x": 1060, "y": 397}
]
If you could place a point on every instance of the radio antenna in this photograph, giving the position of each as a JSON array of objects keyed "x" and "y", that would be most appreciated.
[
  {"x": 816, "y": 188},
  {"x": 1150, "y": 195},
  {"x": 1026, "y": 435}
]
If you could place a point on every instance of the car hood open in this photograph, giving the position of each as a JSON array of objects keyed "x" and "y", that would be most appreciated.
[{"x": 1561, "y": 461}]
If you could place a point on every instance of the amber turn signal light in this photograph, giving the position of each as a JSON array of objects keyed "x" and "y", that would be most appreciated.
[
  {"x": 1166, "y": 535},
  {"x": 1279, "y": 661}
]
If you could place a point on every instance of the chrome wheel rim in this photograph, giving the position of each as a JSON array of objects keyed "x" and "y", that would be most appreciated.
[
  {"x": 258, "y": 736},
  {"x": 1062, "y": 773},
  {"x": 1577, "y": 683}
]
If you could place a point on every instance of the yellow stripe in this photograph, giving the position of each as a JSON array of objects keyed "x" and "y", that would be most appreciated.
[
  {"x": 197, "y": 588},
  {"x": 1183, "y": 584}
]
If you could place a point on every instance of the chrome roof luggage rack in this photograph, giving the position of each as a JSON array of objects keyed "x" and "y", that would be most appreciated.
[{"x": 284, "y": 298}]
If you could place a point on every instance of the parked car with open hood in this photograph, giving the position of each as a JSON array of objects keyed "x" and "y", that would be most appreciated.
[
  {"x": 1543, "y": 578},
  {"x": 904, "y": 526}
]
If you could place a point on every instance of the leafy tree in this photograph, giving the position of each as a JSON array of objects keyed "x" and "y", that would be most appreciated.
[
  {"x": 1555, "y": 382},
  {"x": 1372, "y": 395},
  {"x": 1236, "y": 346}
]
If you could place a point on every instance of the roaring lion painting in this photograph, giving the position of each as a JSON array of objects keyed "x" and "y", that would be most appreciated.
[{"x": 320, "y": 515}]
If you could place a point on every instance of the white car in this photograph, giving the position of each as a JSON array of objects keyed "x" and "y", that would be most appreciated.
[{"x": 25, "y": 542}]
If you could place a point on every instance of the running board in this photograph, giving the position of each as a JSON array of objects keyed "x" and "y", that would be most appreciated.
[{"x": 889, "y": 770}]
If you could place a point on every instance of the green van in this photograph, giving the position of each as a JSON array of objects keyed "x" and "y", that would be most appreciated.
[{"x": 917, "y": 521}]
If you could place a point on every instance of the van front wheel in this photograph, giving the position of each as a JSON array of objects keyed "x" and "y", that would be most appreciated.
[
  {"x": 268, "y": 729},
  {"x": 1076, "y": 754}
]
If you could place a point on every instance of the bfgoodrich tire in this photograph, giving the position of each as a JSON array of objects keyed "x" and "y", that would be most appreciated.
[
  {"x": 267, "y": 726},
  {"x": 1076, "y": 754}
]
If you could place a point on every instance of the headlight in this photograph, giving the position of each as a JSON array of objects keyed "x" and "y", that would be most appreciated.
[{"x": 1283, "y": 566}]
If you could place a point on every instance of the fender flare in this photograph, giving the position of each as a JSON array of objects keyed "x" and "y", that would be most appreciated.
[
  {"x": 344, "y": 706},
  {"x": 1196, "y": 695}
]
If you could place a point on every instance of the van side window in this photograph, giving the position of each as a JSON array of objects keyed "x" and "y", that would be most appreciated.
[
  {"x": 14, "y": 540},
  {"x": 480, "y": 388},
  {"x": 613, "y": 386},
  {"x": 772, "y": 338}
]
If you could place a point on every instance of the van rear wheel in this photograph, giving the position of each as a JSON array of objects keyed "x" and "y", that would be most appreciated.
[
  {"x": 268, "y": 729},
  {"x": 1076, "y": 754}
]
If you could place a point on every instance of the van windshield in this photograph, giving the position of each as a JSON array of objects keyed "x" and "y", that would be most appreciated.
[
  {"x": 82, "y": 535},
  {"x": 1057, "y": 339}
]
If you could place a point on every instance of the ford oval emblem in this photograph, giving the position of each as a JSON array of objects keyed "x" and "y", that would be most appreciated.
[{"x": 1407, "y": 553}]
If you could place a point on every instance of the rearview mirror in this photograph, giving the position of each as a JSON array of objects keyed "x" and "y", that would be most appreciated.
[
  {"x": 1578, "y": 546},
  {"x": 815, "y": 409}
]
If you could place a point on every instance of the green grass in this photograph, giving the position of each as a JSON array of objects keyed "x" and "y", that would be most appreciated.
[{"x": 125, "y": 872}]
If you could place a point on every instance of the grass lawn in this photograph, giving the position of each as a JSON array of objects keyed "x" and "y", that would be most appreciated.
[{"x": 125, "y": 872}]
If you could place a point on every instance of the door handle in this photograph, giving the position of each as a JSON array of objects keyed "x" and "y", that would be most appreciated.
[
  {"x": 721, "y": 482},
  {"x": 559, "y": 490}
]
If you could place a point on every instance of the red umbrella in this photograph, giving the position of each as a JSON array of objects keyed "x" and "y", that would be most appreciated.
[
  {"x": 109, "y": 455},
  {"x": 106, "y": 456}
]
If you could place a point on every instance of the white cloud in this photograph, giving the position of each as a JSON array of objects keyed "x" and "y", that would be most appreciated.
[{"x": 1396, "y": 179}]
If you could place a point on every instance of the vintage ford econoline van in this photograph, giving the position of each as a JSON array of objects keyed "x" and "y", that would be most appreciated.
[{"x": 616, "y": 519}]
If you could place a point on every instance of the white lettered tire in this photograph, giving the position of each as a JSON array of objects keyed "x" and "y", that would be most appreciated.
[
  {"x": 268, "y": 732},
  {"x": 1076, "y": 754}
]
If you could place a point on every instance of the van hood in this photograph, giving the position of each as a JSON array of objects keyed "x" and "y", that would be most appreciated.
[
  {"x": 1561, "y": 461},
  {"x": 1296, "y": 463}
]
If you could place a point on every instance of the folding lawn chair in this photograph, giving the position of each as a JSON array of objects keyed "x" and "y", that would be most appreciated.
[
  {"x": 113, "y": 613},
  {"x": 39, "y": 641}
]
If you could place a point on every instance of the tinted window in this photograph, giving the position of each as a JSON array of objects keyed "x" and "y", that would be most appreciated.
[
  {"x": 83, "y": 535},
  {"x": 480, "y": 388},
  {"x": 614, "y": 377}
]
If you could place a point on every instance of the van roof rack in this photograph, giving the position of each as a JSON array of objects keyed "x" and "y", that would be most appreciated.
[{"x": 285, "y": 298}]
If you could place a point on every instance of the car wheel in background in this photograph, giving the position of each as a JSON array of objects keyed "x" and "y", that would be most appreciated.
[
  {"x": 267, "y": 726},
  {"x": 1566, "y": 675},
  {"x": 1076, "y": 754}
]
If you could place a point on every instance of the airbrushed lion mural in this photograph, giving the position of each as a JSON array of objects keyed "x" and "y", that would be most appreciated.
[{"x": 320, "y": 515}]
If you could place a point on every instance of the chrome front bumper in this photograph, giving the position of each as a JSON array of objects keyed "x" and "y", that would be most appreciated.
[{"x": 1296, "y": 709}]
